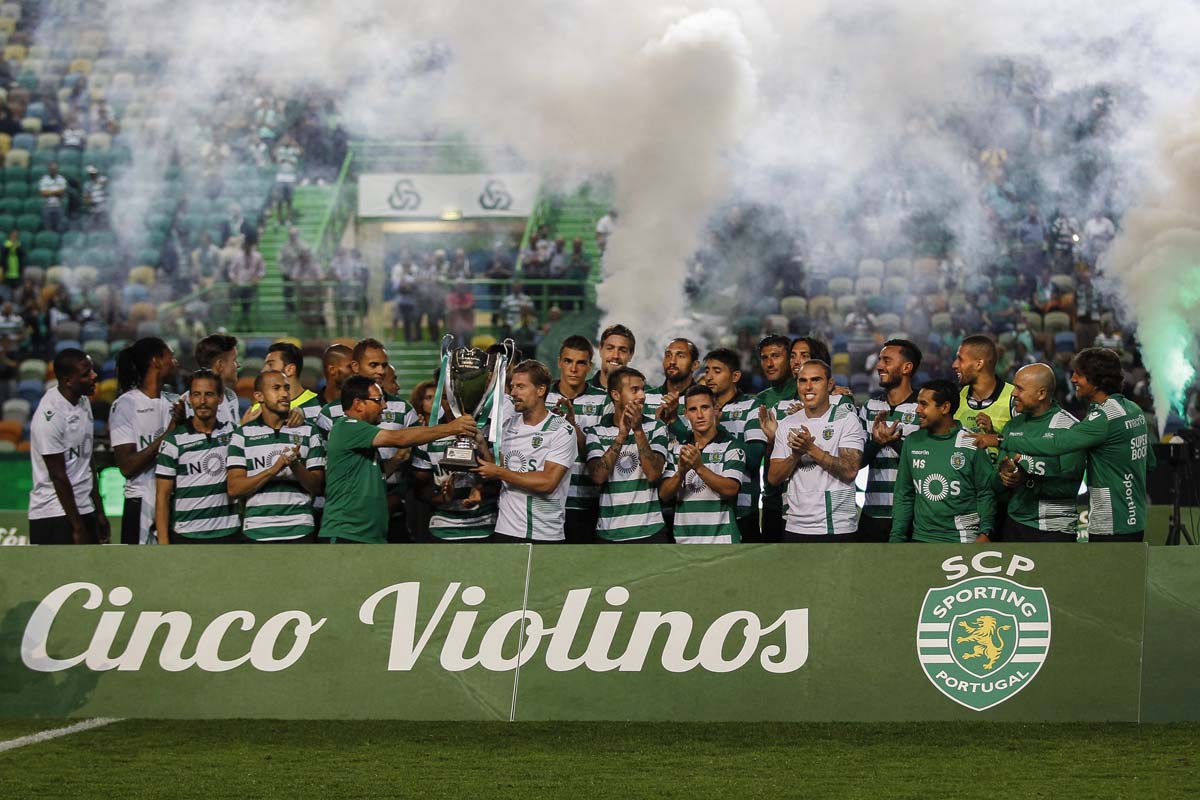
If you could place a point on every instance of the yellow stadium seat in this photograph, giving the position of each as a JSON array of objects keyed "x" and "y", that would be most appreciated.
[
  {"x": 81, "y": 65},
  {"x": 99, "y": 142},
  {"x": 793, "y": 305},
  {"x": 820, "y": 303},
  {"x": 13, "y": 52},
  {"x": 59, "y": 274},
  {"x": 846, "y": 303},
  {"x": 106, "y": 390},
  {"x": 841, "y": 363},
  {"x": 1056, "y": 322},
  {"x": 39, "y": 51},
  {"x": 868, "y": 285},
  {"x": 1033, "y": 320},
  {"x": 143, "y": 275},
  {"x": 31, "y": 125},
  {"x": 94, "y": 39},
  {"x": 48, "y": 141},
  {"x": 16, "y": 158},
  {"x": 5, "y": 143},
  {"x": 870, "y": 267},
  {"x": 8, "y": 25},
  {"x": 840, "y": 286}
]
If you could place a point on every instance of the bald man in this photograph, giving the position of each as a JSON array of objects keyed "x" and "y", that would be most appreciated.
[
  {"x": 1040, "y": 492},
  {"x": 338, "y": 364}
]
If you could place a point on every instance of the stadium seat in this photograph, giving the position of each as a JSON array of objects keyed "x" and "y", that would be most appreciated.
[
  {"x": 840, "y": 362},
  {"x": 257, "y": 348},
  {"x": 8, "y": 446},
  {"x": 899, "y": 268},
  {"x": 35, "y": 274},
  {"x": 821, "y": 303},
  {"x": 793, "y": 305},
  {"x": 16, "y": 158},
  {"x": 895, "y": 285},
  {"x": 98, "y": 142},
  {"x": 12, "y": 52},
  {"x": 1065, "y": 342},
  {"x": 30, "y": 390},
  {"x": 32, "y": 125},
  {"x": 888, "y": 323},
  {"x": 41, "y": 257},
  {"x": 1056, "y": 322},
  {"x": 67, "y": 329},
  {"x": 846, "y": 303},
  {"x": 860, "y": 383},
  {"x": 142, "y": 275},
  {"x": 106, "y": 390},
  {"x": 81, "y": 66},
  {"x": 775, "y": 323},
  {"x": 251, "y": 365},
  {"x": 868, "y": 285},
  {"x": 1033, "y": 320},
  {"x": 941, "y": 322},
  {"x": 67, "y": 344},
  {"x": 49, "y": 240},
  {"x": 11, "y": 11},
  {"x": 840, "y": 286},
  {"x": 97, "y": 349},
  {"x": 312, "y": 366},
  {"x": 48, "y": 141},
  {"x": 5, "y": 141},
  {"x": 17, "y": 410},
  {"x": 956, "y": 301},
  {"x": 1064, "y": 283},
  {"x": 32, "y": 369},
  {"x": 925, "y": 268},
  {"x": 870, "y": 268},
  {"x": 7, "y": 223}
]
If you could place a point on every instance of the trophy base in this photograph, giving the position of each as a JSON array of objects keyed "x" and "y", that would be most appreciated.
[{"x": 460, "y": 457}]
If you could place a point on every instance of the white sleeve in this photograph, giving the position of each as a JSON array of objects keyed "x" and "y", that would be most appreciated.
[
  {"x": 672, "y": 459},
  {"x": 853, "y": 437},
  {"x": 781, "y": 449},
  {"x": 563, "y": 448},
  {"x": 121, "y": 428},
  {"x": 46, "y": 437}
]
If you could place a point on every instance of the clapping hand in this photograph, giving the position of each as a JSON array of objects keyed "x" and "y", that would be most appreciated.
[
  {"x": 689, "y": 457},
  {"x": 884, "y": 434}
]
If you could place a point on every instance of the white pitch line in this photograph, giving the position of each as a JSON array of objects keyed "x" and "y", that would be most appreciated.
[{"x": 45, "y": 736}]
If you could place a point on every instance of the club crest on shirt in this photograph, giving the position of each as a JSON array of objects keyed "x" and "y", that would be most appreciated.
[
  {"x": 827, "y": 434},
  {"x": 958, "y": 460},
  {"x": 537, "y": 440}
]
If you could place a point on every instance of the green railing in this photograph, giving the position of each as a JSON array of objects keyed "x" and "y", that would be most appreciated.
[
  {"x": 340, "y": 212},
  {"x": 318, "y": 308},
  {"x": 442, "y": 156}
]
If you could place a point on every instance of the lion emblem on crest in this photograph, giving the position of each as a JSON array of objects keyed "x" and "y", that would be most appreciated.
[{"x": 985, "y": 635}]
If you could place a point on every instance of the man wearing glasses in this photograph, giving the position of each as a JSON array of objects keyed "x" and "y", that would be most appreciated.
[{"x": 355, "y": 492}]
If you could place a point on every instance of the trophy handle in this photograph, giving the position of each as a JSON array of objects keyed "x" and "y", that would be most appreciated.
[{"x": 447, "y": 344}]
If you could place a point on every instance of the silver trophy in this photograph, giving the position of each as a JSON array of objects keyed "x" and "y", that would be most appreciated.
[{"x": 470, "y": 380}]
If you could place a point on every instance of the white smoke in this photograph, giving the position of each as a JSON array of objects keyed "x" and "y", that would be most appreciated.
[{"x": 800, "y": 105}]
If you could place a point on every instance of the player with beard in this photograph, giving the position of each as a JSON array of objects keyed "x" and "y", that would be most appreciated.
[
  {"x": 138, "y": 422},
  {"x": 626, "y": 451},
  {"x": 192, "y": 506},
  {"x": 888, "y": 417},
  {"x": 337, "y": 363},
  {"x": 279, "y": 468},
  {"x": 679, "y": 362},
  {"x": 218, "y": 352},
  {"x": 581, "y": 404},
  {"x": 773, "y": 359},
  {"x": 740, "y": 419},
  {"x": 817, "y": 454},
  {"x": 536, "y": 453},
  {"x": 617, "y": 344},
  {"x": 64, "y": 504},
  {"x": 985, "y": 402}
]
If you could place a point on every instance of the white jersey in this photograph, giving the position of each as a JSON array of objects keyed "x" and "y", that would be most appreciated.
[
  {"x": 817, "y": 502},
  {"x": 138, "y": 420},
  {"x": 59, "y": 427},
  {"x": 527, "y": 448}
]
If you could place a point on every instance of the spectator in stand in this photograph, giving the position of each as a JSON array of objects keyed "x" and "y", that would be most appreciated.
[
  {"x": 13, "y": 259},
  {"x": 860, "y": 320},
  {"x": 460, "y": 267},
  {"x": 237, "y": 225},
  {"x": 311, "y": 293},
  {"x": 11, "y": 324},
  {"x": 431, "y": 294},
  {"x": 1098, "y": 233},
  {"x": 102, "y": 118},
  {"x": 74, "y": 137},
  {"x": 500, "y": 267},
  {"x": 287, "y": 168},
  {"x": 1088, "y": 310},
  {"x": 1064, "y": 237},
  {"x": 1110, "y": 337},
  {"x": 406, "y": 288},
  {"x": 460, "y": 313},
  {"x": 53, "y": 189},
  {"x": 1046, "y": 296},
  {"x": 206, "y": 262},
  {"x": 557, "y": 266},
  {"x": 295, "y": 260},
  {"x": 604, "y": 228},
  {"x": 514, "y": 305},
  {"x": 246, "y": 269},
  {"x": 95, "y": 200},
  {"x": 1031, "y": 241},
  {"x": 353, "y": 276}
]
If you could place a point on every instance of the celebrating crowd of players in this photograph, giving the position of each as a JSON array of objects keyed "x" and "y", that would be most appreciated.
[{"x": 607, "y": 457}]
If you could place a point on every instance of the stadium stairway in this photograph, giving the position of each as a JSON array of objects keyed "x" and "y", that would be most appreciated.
[
  {"x": 414, "y": 362},
  {"x": 311, "y": 203}
]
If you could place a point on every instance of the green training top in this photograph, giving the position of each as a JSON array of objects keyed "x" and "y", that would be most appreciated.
[
  {"x": 1047, "y": 499},
  {"x": 355, "y": 494},
  {"x": 943, "y": 489},
  {"x": 1116, "y": 441}
]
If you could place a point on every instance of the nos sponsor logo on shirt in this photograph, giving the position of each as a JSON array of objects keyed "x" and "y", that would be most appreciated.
[{"x": 983, "y": 639}]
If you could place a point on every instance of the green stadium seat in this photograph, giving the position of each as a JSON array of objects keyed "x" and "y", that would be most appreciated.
[
  {"x": 16, "y": 174},
  {"x": 19, "y": 189},
  {"x": 11, "y": 206},
  {"x": 99, "y": 258},
  {"x": 101, "y": 240},
  {"x": 74, "y": 239},
  {"x": 29, "y": 222},
  {"x": 7, "y": 223},
  {"x": 41, "y": 257},
  {"x": 32, "y": 205},
  {"x": 48, "y": 239}
]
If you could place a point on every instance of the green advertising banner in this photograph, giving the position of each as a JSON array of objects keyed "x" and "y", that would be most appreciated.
[
  {"x": 766, "y": 632},
  {"x": 1171, "y": 667}
]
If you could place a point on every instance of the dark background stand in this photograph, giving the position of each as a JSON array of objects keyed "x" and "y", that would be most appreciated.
[{"x": 1176, "y": 482}]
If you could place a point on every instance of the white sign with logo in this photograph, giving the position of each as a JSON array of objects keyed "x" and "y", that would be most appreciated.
[{"x": 399, "y": 195}]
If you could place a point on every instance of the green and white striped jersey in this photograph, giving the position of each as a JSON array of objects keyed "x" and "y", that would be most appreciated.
[
  {"x": 818, "y": 503},
  {"x": 200, "y": 506},
  {"x": 1047, "y": 501},
  {"x": 883, "y": 463},
  {"x": 327, "y": 415},
  {"x": 454, "y": 521},
  {"x": 397, "y": 414},
  {"x": 528, "y": 448},
  {"x": 701, "y": 515},
  {"x": 589, "y": 407},
  {"x": 281, "y": 508},
  {"x": 739, "y": 418},
  {"x": 629, "y": 505}
]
